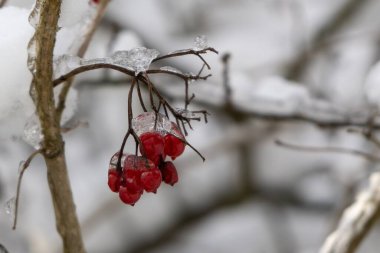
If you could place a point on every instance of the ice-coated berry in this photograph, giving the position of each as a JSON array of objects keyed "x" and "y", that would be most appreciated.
[
  {"x": 114, "y": 179},
  {"x": 151, "y": 179},
  {"x": 152, "y": 146},
  {"x": 132, "y": 180},
  {"x": 137, "y": 162},
  {"x": 169, "y": 173},
  {"x": 129, "y": 197},
  {"x": 173, "y": 146}
]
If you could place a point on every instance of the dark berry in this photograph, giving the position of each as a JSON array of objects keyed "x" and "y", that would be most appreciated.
[
  {"x": 173, "y": 146},
  {"x": 152, "y": 146},
  {"x": 169, "y": 173},
  {"x": 151, "y": 179},
  {"x": 129, "y": 197},
  {"x": 114, "y": 179}
]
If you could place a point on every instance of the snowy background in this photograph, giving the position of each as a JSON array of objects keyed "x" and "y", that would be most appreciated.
[{"x": 310, "y": 58}]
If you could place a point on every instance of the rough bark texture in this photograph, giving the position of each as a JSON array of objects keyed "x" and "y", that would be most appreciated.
[{"x": 53, "y": 145}]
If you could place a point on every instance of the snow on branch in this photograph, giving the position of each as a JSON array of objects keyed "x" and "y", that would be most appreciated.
[{"x": 356, "y": 221}]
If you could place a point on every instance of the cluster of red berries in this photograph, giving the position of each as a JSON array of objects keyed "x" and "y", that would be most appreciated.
[{"x": 146, "y": 172}]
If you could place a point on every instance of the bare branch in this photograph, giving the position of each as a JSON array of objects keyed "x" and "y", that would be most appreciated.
[
  {"x": 188, "y": 52},
  {"x": 365, "y": 155},
  {"x": 357, "y": 220},
  {"x": 23, "y": 168},
  {"x": 89, "y": 30}
]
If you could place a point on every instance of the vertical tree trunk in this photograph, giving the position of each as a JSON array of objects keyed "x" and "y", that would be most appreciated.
[{"x": 53, "y": 145}]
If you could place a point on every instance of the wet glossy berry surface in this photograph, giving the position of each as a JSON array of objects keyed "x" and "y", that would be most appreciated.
[
  {"x": 152, "y": 146},
  {"x": 169, "y": 173},
  {"x": 114, "y": 180},
  {"x": 151, "y": 180},
  {"x": 173, "y": 146}
]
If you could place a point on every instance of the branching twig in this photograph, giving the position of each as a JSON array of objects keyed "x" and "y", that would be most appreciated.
[
  {"x": 188, "y": 52},
  {"x": 360, "y": 153},
  {"x": 357, "y": 220},
  {"x": 23, "y": 168},
  {"x": 88, "y": 34}
]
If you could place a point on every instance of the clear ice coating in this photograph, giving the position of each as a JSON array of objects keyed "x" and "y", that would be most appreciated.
[
  {"x": 135, "y": 162},
  {"x": 174, "y": 130},
  {"x": 32, "y": 132},
  {"x": 137, "y": 59},
  {"x": 171, "y": 69},
  {"x": 63, "y": 64},
  {"x": 185, "y": 113},
  {"x": 10, "y": 207},
  {"x": 21, "y": 166},
  {"x": 34, "y": 17},
  {"x": 200, "y": 42},
  {"x": 146, "y": 122},
  {"x": 115, "y": 158}
]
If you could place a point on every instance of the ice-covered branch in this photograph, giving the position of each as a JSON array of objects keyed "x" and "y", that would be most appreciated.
[
  {"x": 357, "y": 220},
  {"x": 44, "y": 18}
]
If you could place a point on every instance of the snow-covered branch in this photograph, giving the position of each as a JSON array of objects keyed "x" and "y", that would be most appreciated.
[{"x": 356, "y": 221}]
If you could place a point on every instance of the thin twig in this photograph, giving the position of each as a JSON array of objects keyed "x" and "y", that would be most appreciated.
[
  {"x": 140, "y": 96},
  {"x": 226, "y": 79},
  {"x": 88, "y": 34},
  {"x": 188, "y": 52},
  {"x": 360, "y": 153},
  {"x": 24, "y": 166}
]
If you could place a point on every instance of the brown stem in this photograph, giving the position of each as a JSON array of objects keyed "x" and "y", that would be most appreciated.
[
  {"x": 25, "y": 165},
  {"x": 52, "y": 144}
]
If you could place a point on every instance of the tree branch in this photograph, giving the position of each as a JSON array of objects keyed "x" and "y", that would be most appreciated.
[
  {"x": 357, "y": 220},
  {"x": 52, "y": 144},
  {"x": 340, "y": 150}
]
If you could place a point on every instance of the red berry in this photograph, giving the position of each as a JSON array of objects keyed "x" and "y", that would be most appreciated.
[
  {"x": 169, "y": 173},
  {"x": 114, "y": 180},
  {"x": 152, "y": 147},
  {"x": 151, "y": 180},
  {"x": 128, "y": 197},
  {"x": 137, "y": 162},
  {"x": 132, "y": 180},
  {"x": 95, "y": 1},
  {"x": 174, "y": 146}
]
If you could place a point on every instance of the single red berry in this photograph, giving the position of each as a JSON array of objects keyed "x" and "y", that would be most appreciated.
[
  {"x": 132, "y": 180},
  {"x": 95, "y": 1},
  {"x": 169, "y": 173},
  {"x": 174, "y": 146},
  {"x": 151, "y": 180},
  {"x": 152, "y": 147},
  {"x": 128, "y": 197},
  {"x": 114, "y": 179}
]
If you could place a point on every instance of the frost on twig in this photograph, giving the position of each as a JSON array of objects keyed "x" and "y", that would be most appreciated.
[{"x": 356, "y": 221}]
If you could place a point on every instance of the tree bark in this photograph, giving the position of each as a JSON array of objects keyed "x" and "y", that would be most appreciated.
[{"x": 52, "y": 144}]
